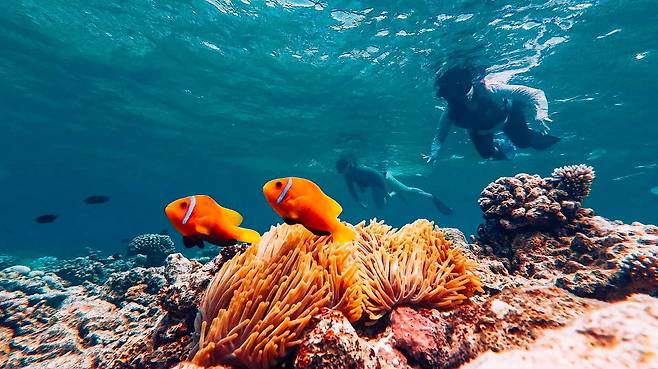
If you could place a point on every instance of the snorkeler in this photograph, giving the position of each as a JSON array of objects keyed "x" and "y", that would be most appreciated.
[
  {"x": 383, "y": 186},
  {"x": 488, "y": 108},
  {"x": 364, "y": 177}
]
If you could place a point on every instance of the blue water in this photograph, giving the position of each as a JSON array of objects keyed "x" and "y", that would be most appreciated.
[{"x": 148, "y": 101}]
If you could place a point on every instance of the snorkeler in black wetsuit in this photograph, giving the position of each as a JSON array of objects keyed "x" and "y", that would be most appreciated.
[
  {"x": 486, "y": 107},
  {"x": 383, "y": 186},
  {"x": 364, "y": 177}
]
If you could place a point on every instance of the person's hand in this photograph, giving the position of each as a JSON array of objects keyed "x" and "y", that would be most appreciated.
[
  {"x": 542, "y": 119},
  {"x": 434, "y": 153},
  {"x": 429, "y": 159}
]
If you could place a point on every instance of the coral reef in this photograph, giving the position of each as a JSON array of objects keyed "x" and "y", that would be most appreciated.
[
  {"x": 86, "y": 269},
  {"x": 120, "y": 324},
  {"x": 536, "y": 230},
  {"x": 155, "y": 247},
  {"x": 546, "y": 283}
]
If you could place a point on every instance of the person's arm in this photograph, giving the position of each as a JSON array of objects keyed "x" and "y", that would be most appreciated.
[
  {"x": 531, "y": 97},
  {"x": 442, "y": 131}
]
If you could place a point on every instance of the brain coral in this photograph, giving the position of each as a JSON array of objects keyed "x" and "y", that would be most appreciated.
[
  {"x": 529, "y": 200},
  {"x": 155, "y": 247},
  {"x": 258, "y": 304}
]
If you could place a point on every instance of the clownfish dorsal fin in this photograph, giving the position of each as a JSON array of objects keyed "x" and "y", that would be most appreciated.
[{"x": 233, "y": 216}]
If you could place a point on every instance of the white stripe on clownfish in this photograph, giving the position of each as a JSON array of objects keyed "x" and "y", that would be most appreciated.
[
  {"x": 188, "y": 214},
  {"x": 285, "y": 191}
]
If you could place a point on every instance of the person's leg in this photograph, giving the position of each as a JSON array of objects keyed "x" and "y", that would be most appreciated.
[
  {"x": 379, "y": 196},
  {"x": 485, "y": 146},
  {"x": 420, "y": 192},
  {"x": 443, "y": 208},
  {"x": 517, "y": 130}
]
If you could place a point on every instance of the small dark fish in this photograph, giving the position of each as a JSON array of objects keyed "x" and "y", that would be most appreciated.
[
  {"x": 116, "y": 256},
  {"x": 97, "y": 199},
  {"x": 46, "y": 218}
]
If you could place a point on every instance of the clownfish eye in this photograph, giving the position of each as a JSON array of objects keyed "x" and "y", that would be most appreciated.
[
  {"x": 183, "y": 205},
  {"x": 278, "y": 184}
]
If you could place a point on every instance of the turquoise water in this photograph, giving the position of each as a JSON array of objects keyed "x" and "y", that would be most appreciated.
[{"x": 149, "y": 101}]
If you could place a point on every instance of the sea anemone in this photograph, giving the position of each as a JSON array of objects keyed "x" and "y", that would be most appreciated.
[
  {"x": 414, "y": 266},
  {"x": 260, "y": 301},
  {"x": 576, "y": 180},
  {"x": 258, "y": 304}
]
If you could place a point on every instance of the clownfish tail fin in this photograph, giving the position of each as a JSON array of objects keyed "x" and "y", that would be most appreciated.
[
  {"x": 343, "y": 233},
  {"x": 247, "y": 235}
]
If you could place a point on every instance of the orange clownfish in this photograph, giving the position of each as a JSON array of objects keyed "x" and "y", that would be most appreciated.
[
  {"x": 300, "y": 201},
  {"x": 199, "y": 218}
]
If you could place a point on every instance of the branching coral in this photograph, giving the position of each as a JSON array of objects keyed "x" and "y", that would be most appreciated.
[
  {"x": 260, "y": 301},
  {"x": 415, "y": 265},
  {"x": 576, "y": 180}
]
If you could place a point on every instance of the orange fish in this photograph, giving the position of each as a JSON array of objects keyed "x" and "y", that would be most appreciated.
[
  {"x": 199, "y": 218},
  {"x": 300, "y": 201}
]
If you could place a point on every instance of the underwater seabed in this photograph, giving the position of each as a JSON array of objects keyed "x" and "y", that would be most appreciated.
[{"x": 544, "y": 283}]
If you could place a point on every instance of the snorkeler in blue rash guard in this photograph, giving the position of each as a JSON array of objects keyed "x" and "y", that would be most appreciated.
[
  {"x": 383, "y": 186},
  {"x": 493, "y": 112}
]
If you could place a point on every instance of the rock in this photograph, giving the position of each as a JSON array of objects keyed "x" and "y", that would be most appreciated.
[
  {"x": 135, "y": 285},
  {"x": 621, "y": 335},
  {"x": 508, "y": 320},
  {"x": 155, "y": 247},
  {"x": 188, "y": 365},
  {"x": 36, "y": 274},
  {"x": 20, "y": 269},
  {"x": 331, "y": 342},
  {"x": 186, "y": 282}
]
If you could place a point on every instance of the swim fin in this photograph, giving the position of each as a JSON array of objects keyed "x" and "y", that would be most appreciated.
[
  {"x": 543, "y": 142},
  {"x": 443, "y": 208}
]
